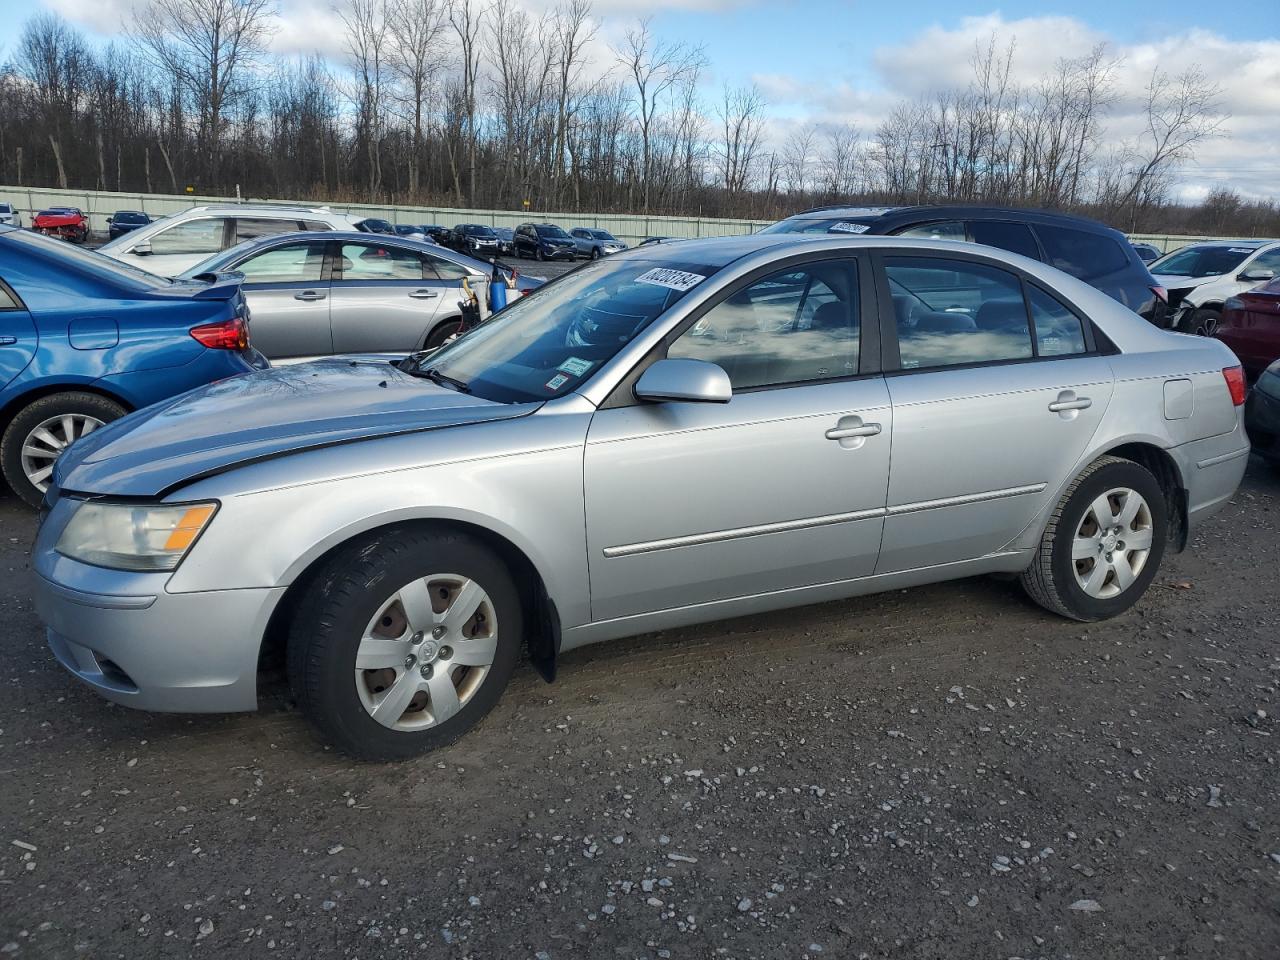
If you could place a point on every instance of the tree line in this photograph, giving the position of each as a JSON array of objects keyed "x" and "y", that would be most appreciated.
[{"x": 478, "y": 103}]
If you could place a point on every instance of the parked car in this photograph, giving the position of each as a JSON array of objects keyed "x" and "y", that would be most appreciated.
[
  {"x": 125, "y": 221},
  {"x": 649, "y": 240},
  {"x": 594, "y": 243},
  {"x": 670, "y": 435},
  {"x": 316, "y": 294},
  {"x": 1085, "y": 249},
  {"x": 1146, "y": 252},
  {"x": 474, "y": 239},
  {"x": 1262, "y": 415},
  {"x": 1200, "y": 277},
  {"x": 506, "y": 240},
  {"x": 1250, "y": 326},
  {"x": 10, "y": 216},
  {"x": 65, "y": 223},
  {"x": 436, "y": 232},
  {"x": 410, "y": 230},
  {"x": 85, "y": 339},
  {"x": 173, "y": 244},
  {"x": 544, "y": 241},
  {"x": 375, "y": 225}
]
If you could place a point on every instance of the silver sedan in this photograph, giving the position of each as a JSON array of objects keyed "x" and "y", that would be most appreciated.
[
  {"x": 671, "y": 435},
  {"x": 324, "y": 292}
]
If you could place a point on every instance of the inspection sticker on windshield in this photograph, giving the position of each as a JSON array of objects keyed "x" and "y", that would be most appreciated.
[
  {"x": 1240, "y": 249},
  {"x": 576, "y": 366},
  {"x": 558, "y": 381},
  {"x": 675, "y": 279},
  {"x": 845, "y": 226}
]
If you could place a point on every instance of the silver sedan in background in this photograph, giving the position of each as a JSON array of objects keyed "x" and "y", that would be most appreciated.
[
  {"x": 670, "y": 435},
  {"x": 324, "y": 292}
]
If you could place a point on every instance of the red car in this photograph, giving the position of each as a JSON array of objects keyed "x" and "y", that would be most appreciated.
[
  {"x": 1250, "y": 326},
  {"x": 67, "y": 223}
]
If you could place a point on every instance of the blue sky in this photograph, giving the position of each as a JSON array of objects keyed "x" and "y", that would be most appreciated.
[{"x": 824, "y": 62}]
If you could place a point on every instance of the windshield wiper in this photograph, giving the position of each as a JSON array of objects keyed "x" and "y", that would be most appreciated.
[{"x": 435, "y": 376}]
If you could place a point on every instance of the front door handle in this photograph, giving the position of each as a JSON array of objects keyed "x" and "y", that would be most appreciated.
[
  {"x": 1068, "y": 401},
  {"x": 852, "y": 432},
  {"x": 308, "y": 295},
  {"x": 424, "y": 294}
]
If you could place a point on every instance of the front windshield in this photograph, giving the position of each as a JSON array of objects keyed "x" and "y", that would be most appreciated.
[
  {"x": 825, "y": 225},
  {"x": 603, "y": 235},
  {"x": 91, "y": 261},
  {"x": 480, "y": 231},
  {"x": 1206, "y": 261},
  {"x": 550, "y": 342},
  {"x": 552, "y": 232}
]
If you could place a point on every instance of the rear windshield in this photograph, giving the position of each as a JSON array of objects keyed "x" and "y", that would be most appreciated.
[
  {"x": 88, "y": 261},
  {"x": 6, "y": 208},
  {"x": 1201, "y": 261},
  {"x": 825, "y": 225},
  {"x": 126, "y": 217},
  {"x": 550, "y": 342}
]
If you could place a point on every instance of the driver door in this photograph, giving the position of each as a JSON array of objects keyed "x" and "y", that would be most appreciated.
[{"x": 782, "y": 487}]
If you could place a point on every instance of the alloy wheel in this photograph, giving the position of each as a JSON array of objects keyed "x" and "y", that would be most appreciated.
[
  {"x": 1112, "y": 543},
  {"x": 426, "y": 652},
  {"x": 47, "y": 440}
]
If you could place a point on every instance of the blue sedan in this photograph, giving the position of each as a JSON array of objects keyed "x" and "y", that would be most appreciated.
[{"x": 85, "y": 339}]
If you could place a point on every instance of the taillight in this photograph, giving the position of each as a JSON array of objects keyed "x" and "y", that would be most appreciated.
[
  {"x": 1235, "y": 383},
  {"x": 1161, "y": 294},
  {"x": 225, "y": 335}
]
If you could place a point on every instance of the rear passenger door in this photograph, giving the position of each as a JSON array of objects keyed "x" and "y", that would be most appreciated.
[
  {"x": 287, "y": 289},
  {"x": 384, "y": 299},
  {"x": 996, "y": 392},
  {"x": 17, "y": 335}
]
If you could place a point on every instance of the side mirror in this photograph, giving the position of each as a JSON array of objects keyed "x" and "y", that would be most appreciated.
[
  {"x": 111, "y": 219},
  {"x": 682, "y": 379},
  {"x": 142, "y": 248},
  {"x": 1256, "y": 275}
]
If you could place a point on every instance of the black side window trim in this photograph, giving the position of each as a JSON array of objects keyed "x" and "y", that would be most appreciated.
[
  {"x": 891, "y": 355},
  {"x": 12, "y": 295}
]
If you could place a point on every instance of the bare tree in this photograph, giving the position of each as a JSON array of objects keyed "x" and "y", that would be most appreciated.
[
  {"x": 742, "y": 124},
  {"x": 797, "y": 159},
  {"x": 54, "y": 58},
  {"x": 654, "y": 66},
  {"x": 206, "y": 46},
  {"x": 367, "y": 45},
  {"x": 571, "y": 30},
  {"x": 466, "y": 18},
  {"x": 415, "y": 30}
]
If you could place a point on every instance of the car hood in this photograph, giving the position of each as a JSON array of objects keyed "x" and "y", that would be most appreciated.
[
  {"x": 1172, "y": 281},
  {"x": 263, "y": 415}
]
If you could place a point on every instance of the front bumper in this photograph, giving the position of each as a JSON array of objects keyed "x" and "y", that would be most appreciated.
[{"x": 560, "y": 253}]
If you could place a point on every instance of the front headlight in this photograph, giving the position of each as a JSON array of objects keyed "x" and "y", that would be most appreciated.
[{"x": 124, "y": 536}]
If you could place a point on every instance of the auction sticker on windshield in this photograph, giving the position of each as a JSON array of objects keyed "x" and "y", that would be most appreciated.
[
  {"x": 675, "y": 279},
  {"x": 575, "y": 366},
  {"x": 846, "y": 227}
]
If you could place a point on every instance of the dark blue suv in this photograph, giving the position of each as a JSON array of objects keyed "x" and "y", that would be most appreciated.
[{"x": 85, "y": 339}]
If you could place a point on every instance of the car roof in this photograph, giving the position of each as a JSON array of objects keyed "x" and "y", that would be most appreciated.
[
  {"x": 357, "y": 236},
  {"x": 1223, "y": 244},
  {"x": 892, "y": 216}
]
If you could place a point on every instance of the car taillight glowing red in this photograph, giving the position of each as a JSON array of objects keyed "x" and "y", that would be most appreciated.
[
  {"x": 1235, "y": 383},
  {"x": 224, "y": 335}
]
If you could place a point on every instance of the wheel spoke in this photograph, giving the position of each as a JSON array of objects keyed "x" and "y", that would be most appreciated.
[
  {"x": 415, "y": 600},
  {"x": 1129, "y": 509},
  {"x": 395, "y": 701},
  {"x": 47, "y": 438},
  {"x": 443, "y": 694},
  {"x": 1124, "y": 573},
  {"x": 379, "y": 653},
  {"x": 478, "y": 652},
  {"x": 1102, "y": 513},
  {"x": 68, "y": 428},
  {"x": 39, "y": 453},
  {"x": 1084, "y": 548},
  {"x": 88, "y": 427},
  {"x": 1138, "y": 540},
  {"x": 40, "y": 476},
  {"x": 464, "y": 606},
  {"x": 1097, "y": 576}
]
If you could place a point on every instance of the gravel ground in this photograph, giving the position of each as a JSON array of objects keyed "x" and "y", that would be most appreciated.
[{"x": 939, "y": 772}]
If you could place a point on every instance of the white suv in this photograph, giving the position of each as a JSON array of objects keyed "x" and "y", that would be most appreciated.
[
  {"x": 170, "y": 245},
  {"x": 1200, "y": 277},
  {"x": 9, "y": 215}
]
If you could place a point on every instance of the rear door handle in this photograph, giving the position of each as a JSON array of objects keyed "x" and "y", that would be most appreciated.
[
  {"x": 851, "y": 432},
  {"x": 424, "y": 294},
  {"x": 1067, "y": 400},
  {"x": 308, "y": 295}
]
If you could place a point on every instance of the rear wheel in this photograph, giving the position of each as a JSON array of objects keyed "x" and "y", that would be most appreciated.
[
  {"x": 1104, "y": 543},
  {"x": 404, "y": 641},
  {"x": 42, "y": 430}
]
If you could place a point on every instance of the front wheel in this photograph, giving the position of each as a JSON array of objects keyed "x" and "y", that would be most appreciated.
[
  {"x": 1203, "y": 322},
  {"x": 404, "y": 641},
  {"x": 441, "y": 333},
  {"x": 595, "y": 253},
  {"x": 42, "y": 430},
  {"x": 539, "y": 255},
  {"x": 1104, "y": 543}
]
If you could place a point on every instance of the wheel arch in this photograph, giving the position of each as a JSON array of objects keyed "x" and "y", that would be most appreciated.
[
  {"x": 37, "y": 391},
  {"x": 541, "y": 617},
  {"x": 1167, "y": 473}
]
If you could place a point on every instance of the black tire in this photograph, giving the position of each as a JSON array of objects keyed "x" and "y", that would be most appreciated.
[
  {"x": 539, "y": 255},
  {"x": 442, "y": 332},
  {"x": 74, "y": 403},
  {"x": 1203, "y": 322},
  {"x": 1051, "y": 579},
  {"x": 339, "y": 603},
  {"x": 595, "y": 253}
]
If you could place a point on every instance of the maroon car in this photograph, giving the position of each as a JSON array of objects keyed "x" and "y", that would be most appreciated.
[
  {"x": 1251, "y": 327},
  {"x": 68, "y": 223}
]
